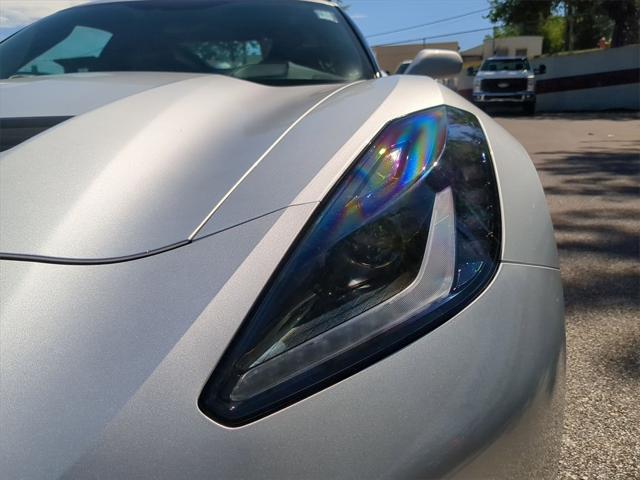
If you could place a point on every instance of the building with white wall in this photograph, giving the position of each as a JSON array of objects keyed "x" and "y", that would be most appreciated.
[{"x": 522, "y": 46}]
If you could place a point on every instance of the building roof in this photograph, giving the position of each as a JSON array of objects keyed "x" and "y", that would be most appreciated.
[{"x": 474, "y": 51}]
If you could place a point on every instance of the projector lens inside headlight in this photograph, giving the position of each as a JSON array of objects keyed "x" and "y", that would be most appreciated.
[{"x": 407, "y": 238}]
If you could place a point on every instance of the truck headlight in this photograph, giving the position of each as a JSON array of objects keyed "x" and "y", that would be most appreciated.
[
  {"x": 408, "y": 237},
  {"x": 531, "y": 84},
  {"x": 476, "y": 86}
]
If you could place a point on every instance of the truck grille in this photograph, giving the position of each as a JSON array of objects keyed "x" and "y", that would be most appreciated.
[{"x": 503, "y": 85}]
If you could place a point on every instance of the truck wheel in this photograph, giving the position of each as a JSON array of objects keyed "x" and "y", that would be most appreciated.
[{"x": 529, "y": 108}]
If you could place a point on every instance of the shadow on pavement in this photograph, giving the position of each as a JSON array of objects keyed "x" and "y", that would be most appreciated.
[
  {"x": 599, "y": 164},
  {"x": 590, "y": 169},
  {"x": 596, "y": 224},
  {"x": 625, "y": 361},
  {"x": 620, "y": 115},
  {"x": 516, "y": 111}
]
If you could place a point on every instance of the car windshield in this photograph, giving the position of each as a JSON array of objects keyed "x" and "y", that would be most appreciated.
[
  {"x": 279, "y": 42},
  {"x": 507, "y": 64},
  {"x": 402, "y": 68}
]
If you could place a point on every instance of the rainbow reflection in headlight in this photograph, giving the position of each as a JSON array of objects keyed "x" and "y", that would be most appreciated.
[
  {"x": 409, "y": 237},
  {"x": 403, "y": 155}
]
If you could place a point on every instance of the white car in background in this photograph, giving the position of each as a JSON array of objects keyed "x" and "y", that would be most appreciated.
[{"x": 505, "y": 80}]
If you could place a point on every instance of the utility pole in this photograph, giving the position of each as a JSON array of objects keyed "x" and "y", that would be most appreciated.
[
  {"x": 493, "y": 41},
  {"x": 568, "y": 18}
]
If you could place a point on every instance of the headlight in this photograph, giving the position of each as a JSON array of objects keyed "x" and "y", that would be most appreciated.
[
  {"x": 409, "y": 236},
  {"x": 476, "y": 85},
  {"x": 531, "y": 83}
]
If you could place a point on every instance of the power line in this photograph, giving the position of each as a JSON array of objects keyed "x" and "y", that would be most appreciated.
[
  {"x": 420, "y": 39},
  {"x": 428, "y": 23}
]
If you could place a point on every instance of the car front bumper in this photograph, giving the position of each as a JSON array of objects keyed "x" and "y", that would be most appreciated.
[
  {"x": 517, "y": 97},
  {"x": 480, "y": 396}
]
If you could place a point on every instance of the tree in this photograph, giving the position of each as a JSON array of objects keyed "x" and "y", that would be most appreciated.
[
  {"x": 525, "y": 16},
  {"x": 626, "y": 18},
  {"x": 529, "y": 17},
  {"x": 552, "y": 31},
  {"x": 584, "y": 22},
  {"x": 589, "y": 23}
]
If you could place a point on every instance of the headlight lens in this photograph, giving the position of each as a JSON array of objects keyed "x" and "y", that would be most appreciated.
[
  {"x": 531, "y": 83},
  {"x": 408, "y": 237},
  {"x": 476, "y": 85}
]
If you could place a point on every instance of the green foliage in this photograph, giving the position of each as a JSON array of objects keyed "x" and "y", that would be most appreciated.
[
  {"x": 529, "y": 17},
  {"x": 526, "y": 16},
  {"x": 552, "y": 31},
  {"x": 584, "y": 22},
  {"x": 590, "y": 23},
  {"x": 507, "y": 31}
]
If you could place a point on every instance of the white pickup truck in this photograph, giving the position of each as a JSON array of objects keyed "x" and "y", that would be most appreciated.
[{"x": 503, "y": 80}]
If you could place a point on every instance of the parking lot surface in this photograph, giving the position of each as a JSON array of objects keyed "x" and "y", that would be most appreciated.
[{"x": 589, "y": 165}]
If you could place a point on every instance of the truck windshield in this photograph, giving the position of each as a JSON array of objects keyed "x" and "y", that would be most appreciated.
[
  {"x": 280, "y": 42},
  {"x": 507, "y": 64}
]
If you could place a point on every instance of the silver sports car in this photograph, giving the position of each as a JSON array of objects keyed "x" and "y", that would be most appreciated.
[{"x": 232, "y": 247}]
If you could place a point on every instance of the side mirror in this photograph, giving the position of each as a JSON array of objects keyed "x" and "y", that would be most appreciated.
[
  {"x": 435, "y": 63},
  {"x": 541, "y": 70},
  {"x": 471, "y": 71}
]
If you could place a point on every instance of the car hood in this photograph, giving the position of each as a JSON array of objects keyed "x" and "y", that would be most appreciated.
[
  {"x": 141, "y": 163},
  {"x": 74, "y": 94},
  {"x": 504, "y": 74},
  {"x": 185, "y": 159},
  {"x": 81, "y": 343}
]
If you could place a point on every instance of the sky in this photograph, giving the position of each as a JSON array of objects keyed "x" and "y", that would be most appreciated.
[
  {"x": 378, "y": 16},
  {"x": 372, "y": 16},
  {"x": 18, "y": 13}
]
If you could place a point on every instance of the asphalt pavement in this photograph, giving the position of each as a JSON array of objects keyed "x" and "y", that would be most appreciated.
[{"x": 589, "y": 165}]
